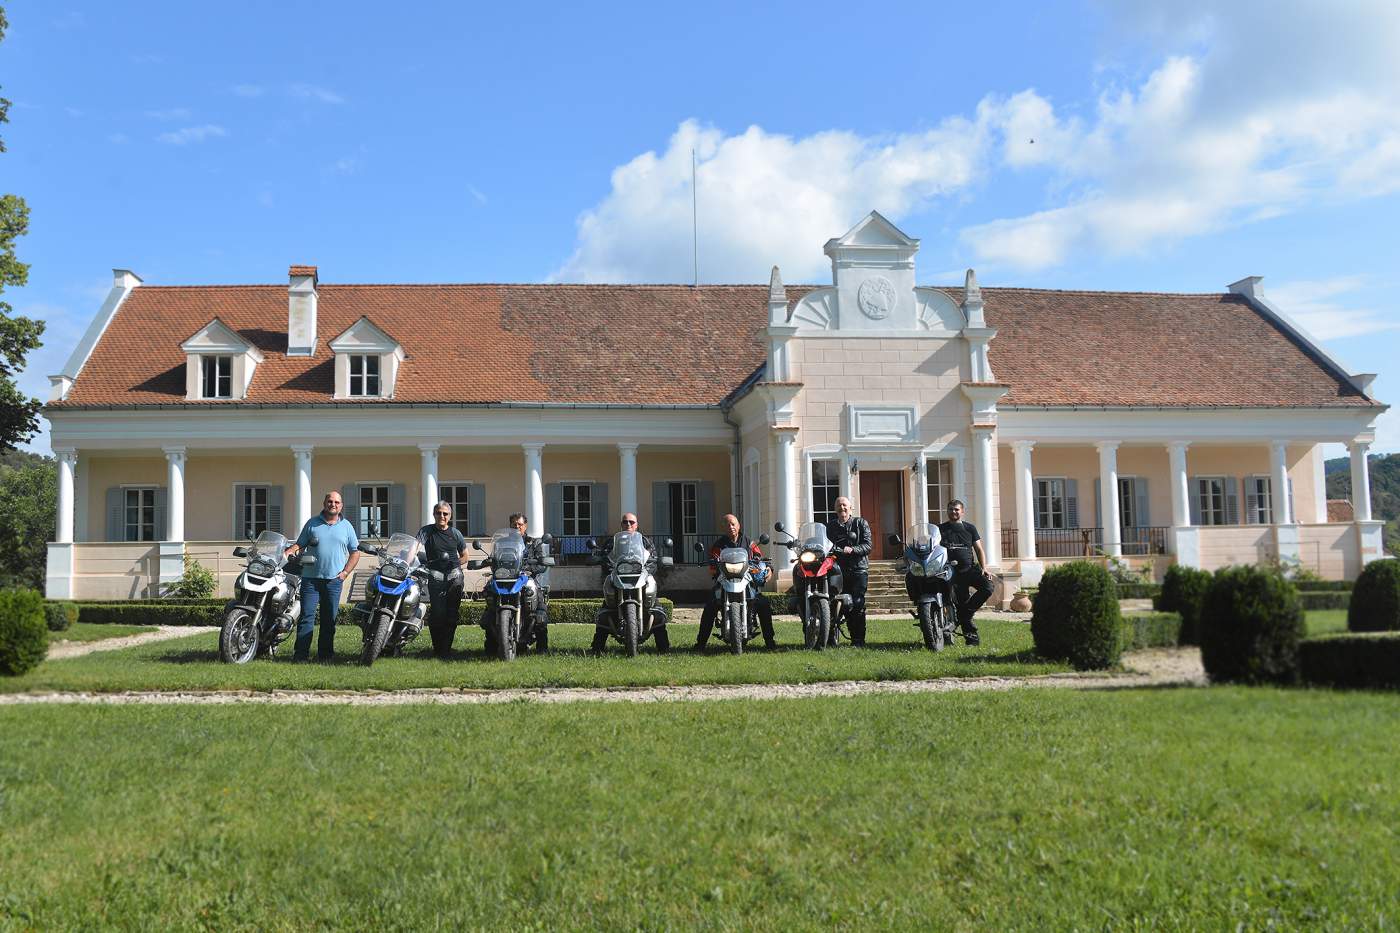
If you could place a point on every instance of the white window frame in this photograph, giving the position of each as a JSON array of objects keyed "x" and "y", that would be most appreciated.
[
  {"x": 252, "y": 527},
  {"x": 457, "y": 495},
  {"x": 581, "y": 523},
  {"x": 752, "y": 479},
  {"x": 1262, "y": 488},
  {"x": 1055, "y": 488},
  {"x": 221, "y": 376},
  {"x": 126, "y": 522},
  {"x": 933, "y": 465},
  {"x": 359, "y": 383},
  {"x": 362, "y": 522},
  {"x": 1208, "y": 514},
  {"x": 831, "y": 487}
]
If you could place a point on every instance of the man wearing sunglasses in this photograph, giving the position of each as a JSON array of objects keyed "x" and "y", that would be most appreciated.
[
  {"x": 600, "y": 634},
  {"x": 444, "y": 552}
]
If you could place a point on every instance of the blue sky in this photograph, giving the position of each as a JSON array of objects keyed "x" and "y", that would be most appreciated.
[{"x": 1175, "y": 147}]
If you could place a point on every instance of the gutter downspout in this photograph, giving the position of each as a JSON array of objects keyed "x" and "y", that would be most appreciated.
[{"x": 737, "y": 487}]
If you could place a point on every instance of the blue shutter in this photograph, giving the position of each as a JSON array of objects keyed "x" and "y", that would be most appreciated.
[
  {"x": 554, "y": 508},
  {"x": 1193, "y": 499},
  {"x": 162, "y": 513},
  {"x": 1292, "y": 512},
  {"x": 661, "y": 509},
  {"x": 236, "y": 532},
  {"x": 396, "y": 509},
  {"x": 1072, "y": 503},
  {"x": 1144, "y": 518},
  {"x": 350, "y": 498},
  {"x": 476, "y": 509},
  {"x": 1232, "y": 501},
  {"x": 705, "y": 508},
  {"x": 116, "y": 514},
  {"x": 1098, "y": 503},
  {"x": 601, "y": 521},
  {"x": 274, "y": 508},
  {"x": 1251, "y": 500}
]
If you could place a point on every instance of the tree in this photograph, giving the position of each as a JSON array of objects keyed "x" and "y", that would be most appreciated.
[
  {"x": 30, "y": 494},
  {"x": 19, "y": 414}
]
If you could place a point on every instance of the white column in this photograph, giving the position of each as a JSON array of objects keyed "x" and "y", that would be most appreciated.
[
  {"x": 787, "y": 482},
  {"x": 67, "y": 458},
  {"x": 627, "y": 470},
  {"x": 301, "y": 485},
  {"x": 1181, "y": 509},
  {"x": 983, "y": 515},
  {"x": 534, "y": 488},
  {"x": 1025, "y": 500},
  {"x": 1278, "y": 483},
  {"x": 429, "y": 463},
  {"x": 1360, "y": 480},
  {"x": 921, "y": 489},
  {"x": 1108, "y": 498},
  {"x": 175, "y": 493}
]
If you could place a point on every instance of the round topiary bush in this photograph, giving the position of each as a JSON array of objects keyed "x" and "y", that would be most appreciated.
[
  {"x": 24, "y": 636},
  {"x": 1076, "y": 617},
  {"x": 1252, "y": 621},
  {"x": 1183, "y": 588},
  {"x": 1375, "y": 600},
  {"x": 60, "y": 616}
]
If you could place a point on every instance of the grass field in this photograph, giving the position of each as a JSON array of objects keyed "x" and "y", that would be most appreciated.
[
  {"x": 86, "y": 631},
  {"x": 892, "y": 654},
  {"x": 1218, "y": 809}
]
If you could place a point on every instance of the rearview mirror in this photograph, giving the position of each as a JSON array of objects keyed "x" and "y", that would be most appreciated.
[
  {"x": 699, "y": 548},
  {"x": 778, "y": 527},
  {"x": 367, "y": 549},
  {"x": 592, "y": 543},
  {"x": 315, "y": 540},
  {"x": 475, "y": 564},
  {"x": 669, "y": 543},
  {"x": 547, "y": 538},
  {"x": 476, "y": 543},
  {"x": 764, "y": 539}
]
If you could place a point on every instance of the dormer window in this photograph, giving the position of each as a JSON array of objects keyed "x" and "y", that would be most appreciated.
[
  {"x": 364, "y": 375},
  {"x": 218, "y": 377}
]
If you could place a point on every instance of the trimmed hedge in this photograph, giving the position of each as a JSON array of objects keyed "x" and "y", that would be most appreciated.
[
  {"x": 1330, "y": 599},
  {"x": 1253, "y": 624},
  {"x": 1076, "y": 616},
  {"x": 1183, "y": 589},
  {"x": 151, "y": 614},
  {"x": 1139, "y": 590},
  {"x": 1368, "y": 660},
  {"x": 1325, "y": 586},
  {"x": 561, "y": 611},
  {"x": 24, "y": 635},
  {"x": 1375, "y": 602},
  {"x": 60, "y": 614},
  {"x": 1151, "y": 630}
]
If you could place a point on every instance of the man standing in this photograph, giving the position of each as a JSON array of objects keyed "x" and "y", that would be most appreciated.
[
  {"x": 964, "y": 546},
  {"x": 444, "y": 549},
  {"x": 332, "y": 540},
  {"x": 600, "y": 634},
  {"x": 734, "y": 537},
  {"x": 850, "y": 536}
]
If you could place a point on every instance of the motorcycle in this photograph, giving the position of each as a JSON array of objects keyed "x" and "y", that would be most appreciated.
[
  {"x": 510, "y": 591},
  {"x": 738, "y": 582},
  {"x": 266, "y": 601},
  {"x": 394, "y": 608},
  {"x": 819, "y": 598},
  {"x": 630, "y": 611},
  {"x": 929, "y": 576}
]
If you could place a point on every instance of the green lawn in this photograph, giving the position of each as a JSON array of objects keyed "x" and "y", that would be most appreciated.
[
  {"x": 1185, "y": 809},
  {"x": 1326, "y": 621},
  {"x": 893, "y": 653},
  {"x": 87, "y": 631}
]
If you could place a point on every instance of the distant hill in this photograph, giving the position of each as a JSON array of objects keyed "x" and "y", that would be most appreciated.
[
  {"x": 18, "y": 459},
  {"x": 1385, "y": 491}
]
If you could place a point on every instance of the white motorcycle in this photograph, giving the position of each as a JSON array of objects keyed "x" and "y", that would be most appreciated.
[
  {"x": 266, "y": 600},
  {"x": 630, "y": 611}
]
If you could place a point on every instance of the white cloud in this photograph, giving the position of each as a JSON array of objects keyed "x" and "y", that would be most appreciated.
[
  {"x": 192, "y": 134},
  {"x": 1314, "y": 305},
  {"x": 314, "y": 93},
  {"x": 763, "y": 198}
]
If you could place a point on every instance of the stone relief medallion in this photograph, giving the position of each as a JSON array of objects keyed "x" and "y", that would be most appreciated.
[{"x": 876, "y": 297}]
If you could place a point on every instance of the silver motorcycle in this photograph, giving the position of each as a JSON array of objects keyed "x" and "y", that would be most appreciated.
[
  {"x": 630, "y": 612},
  {"x": 266, "y": 601}
]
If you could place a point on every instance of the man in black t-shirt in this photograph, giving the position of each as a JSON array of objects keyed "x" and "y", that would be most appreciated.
[
  {"x": 965, "y": 552},
  {"x": 443, "y": 549}
]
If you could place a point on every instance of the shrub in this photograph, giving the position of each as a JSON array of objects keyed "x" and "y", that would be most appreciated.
[
  {"x": 1076, "y": 616},
  {"x": 60, "y": 614},
  {"x": 1370, "y": 660},
  {"x": 561, "y": 611},
  {"x": 1183, "y": 588},
  {"x": 1375, "y": 602},
  {"x": 197, "y": 582},
  {"x": 1151, "y": 630},
  {"x": 1252, "y": 623},
  {"x": 151, "y": 613},
  {"x": 1324, "y": 600},
  {"x": 24, "y": 636},
  {"x": 1139, "y": 591}
]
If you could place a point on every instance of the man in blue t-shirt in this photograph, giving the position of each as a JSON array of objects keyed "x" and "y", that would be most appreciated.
[{"x": 331, "y": 538}]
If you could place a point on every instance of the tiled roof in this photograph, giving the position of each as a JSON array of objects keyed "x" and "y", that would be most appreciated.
[
  {"x": 678, "y": 345},
  {"x": 1340, "y": 511}
]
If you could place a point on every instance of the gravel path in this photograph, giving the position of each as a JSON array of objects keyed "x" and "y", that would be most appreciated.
[
  {"x": 76, "y": 649},
  {"x": 1164, "y": 667}
]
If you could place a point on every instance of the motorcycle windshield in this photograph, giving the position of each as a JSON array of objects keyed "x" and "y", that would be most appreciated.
[
  {"x": 269, "y": 547},
  {"x": 923, "y": 537},
  {"x": 402, "y": 547},
  {"x": 507, "y": 548},
  {"x": 628, "y": 546},
  {"x": 814, "y": 538}
]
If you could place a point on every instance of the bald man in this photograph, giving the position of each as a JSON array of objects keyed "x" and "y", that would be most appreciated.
[
  {"x": 331, "y": 537},
  {"x": 733, "y": 537},
  {"x": 851, "y": 538}
]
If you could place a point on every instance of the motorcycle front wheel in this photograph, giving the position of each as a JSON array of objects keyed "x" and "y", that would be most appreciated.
[
  {"x": 505, "y": 638},
  {"x": 376, "y": 637},
  {"x": 238, "y": 639},
  {"x": 821, "y": 624},
  {"x": 631, "y": 629},
  {"x": 931, "y": 625},
  {"x": 734, "y": 626}
]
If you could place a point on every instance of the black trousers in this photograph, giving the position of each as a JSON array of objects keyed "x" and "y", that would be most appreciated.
[
  {"x": 711, "y": 611},
  {"x": 854, "y": 583},
  {"x": 444, "y": 606},
  {"x": 981, "y": 591}
]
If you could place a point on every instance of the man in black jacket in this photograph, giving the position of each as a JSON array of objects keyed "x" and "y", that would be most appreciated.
[
  {"x": 965, "y": 550},
  {"x": 850, "y": 536}
]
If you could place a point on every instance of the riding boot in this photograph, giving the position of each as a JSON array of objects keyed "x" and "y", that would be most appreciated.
[
  {"x": 600, "y": 640},
  {"x": 663, "y": 640}
]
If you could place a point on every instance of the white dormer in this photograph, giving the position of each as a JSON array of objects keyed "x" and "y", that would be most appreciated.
[
  {"x": 366, "y": 361},
  {"x": 872, "y": 268},
  {"x": 219, "y": 363}
]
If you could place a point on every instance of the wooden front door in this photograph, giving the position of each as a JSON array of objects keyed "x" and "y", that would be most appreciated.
[{"x": 882, "y": 505}]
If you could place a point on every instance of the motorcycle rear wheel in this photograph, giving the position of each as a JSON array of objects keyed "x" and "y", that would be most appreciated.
[
  {"x": 376, "y": 637},
  {"x": 631, "y": 629},
  {"x": 931, "y": 625},
  {"x": 238, "y": 639},
  {"x": 505, "y": 638},
  {"x": 735, "y": 625}
]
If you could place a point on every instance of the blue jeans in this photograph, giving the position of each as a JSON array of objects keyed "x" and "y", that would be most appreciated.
[{"x": 325, "y": 593}]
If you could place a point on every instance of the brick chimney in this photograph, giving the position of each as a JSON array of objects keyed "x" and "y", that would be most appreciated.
[{"x": 301, "y": 311}]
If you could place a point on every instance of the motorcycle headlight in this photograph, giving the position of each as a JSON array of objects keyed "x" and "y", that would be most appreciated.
[
  {"x": 629, "y": 567},
  {"x": 506, "y": 572},
  {"x": 735, "y": 570},
  {"x": 916, "y": 569},
  {"x": 808, "y": 557},
  {"x": 262, "y": 568}
]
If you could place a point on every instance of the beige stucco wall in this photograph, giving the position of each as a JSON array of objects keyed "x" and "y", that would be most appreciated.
[{"x": 1330, "y": 550}]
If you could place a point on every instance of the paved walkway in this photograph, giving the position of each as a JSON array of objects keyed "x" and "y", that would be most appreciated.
[
  {"x": 1162, "y": 667},
  {"x": 76, "y": 649}
]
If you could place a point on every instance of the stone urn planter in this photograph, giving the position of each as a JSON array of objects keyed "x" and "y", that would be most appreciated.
[{"x": 1021, "y": 602}]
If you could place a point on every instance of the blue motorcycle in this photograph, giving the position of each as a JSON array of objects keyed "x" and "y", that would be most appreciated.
[
  {"x": 392, "y": 614},
  {"x": 929, "y": 579},
  {"x": 511, "y": 592}
]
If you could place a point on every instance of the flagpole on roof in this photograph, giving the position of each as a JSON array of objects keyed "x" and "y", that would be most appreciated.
[{"x": 694, "y": 221}]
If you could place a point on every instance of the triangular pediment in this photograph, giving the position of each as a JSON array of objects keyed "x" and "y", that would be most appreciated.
[
  {"x": 218, "y": 337},
  {"x": 874, "y": 231},
  {"x": 364, "y": 336}
]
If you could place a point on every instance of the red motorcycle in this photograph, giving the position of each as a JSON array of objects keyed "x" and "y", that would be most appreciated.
[{"x": 818, "y": 580}]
